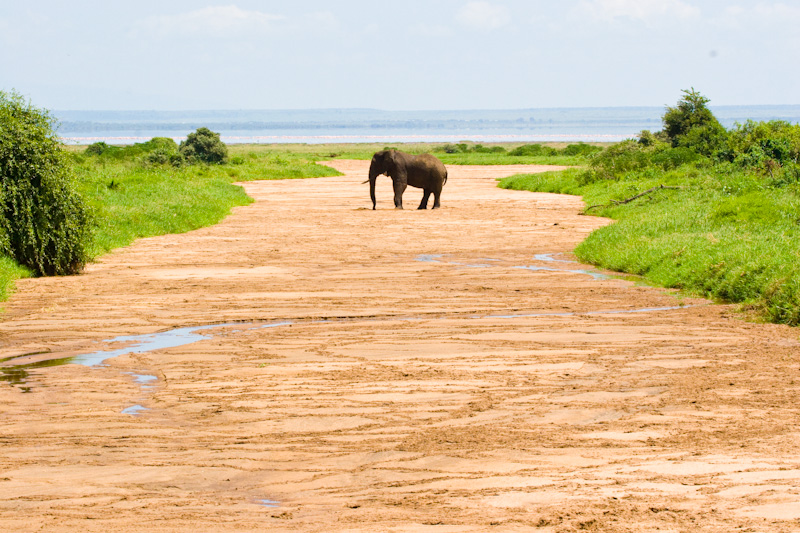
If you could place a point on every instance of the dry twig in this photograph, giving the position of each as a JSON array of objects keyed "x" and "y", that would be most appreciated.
[{"x": 632, "y": 198}]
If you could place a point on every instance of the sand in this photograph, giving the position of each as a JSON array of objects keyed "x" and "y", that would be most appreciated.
[{"x": 440, "y": 370}]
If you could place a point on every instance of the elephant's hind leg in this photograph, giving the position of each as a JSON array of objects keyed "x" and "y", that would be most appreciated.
[
  {"x": 436, "y": 195},
  {"x": 424, "y": 203}
]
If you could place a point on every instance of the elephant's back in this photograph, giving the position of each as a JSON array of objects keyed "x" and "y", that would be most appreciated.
[{"x": 430, "y": 162}]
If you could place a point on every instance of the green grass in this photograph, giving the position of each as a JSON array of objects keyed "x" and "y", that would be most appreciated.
[
  {"x": 365, "y": 151},
  {"x": 10, "y": 271},
  {"x": 725, "y": 234},
  {"x": 131, "y": 200}
]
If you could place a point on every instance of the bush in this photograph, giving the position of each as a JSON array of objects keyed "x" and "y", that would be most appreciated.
[
  {"x": 629, "y": 156},
  {"x": 581, "y": 149},
  {"x": 455, "y": 148},
  {"x": 692, "y": 125},
  {"x": 204, "y": 146},
  {"x": 98, "y": 148},
  {"x": 164, "y": 144},
  {"x": 161, "y": 151},
  {"x": 479, "y": 148},
  {"x": 158, "y": 150},
  {"x": 44, "y": 222},
  {"x": 533, "y": 150}
]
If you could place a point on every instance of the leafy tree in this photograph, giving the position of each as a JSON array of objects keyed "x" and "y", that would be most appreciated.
[
  {"x": 204, "y": 146},
  {"x": 692, "y": 125},
  {"x": 98, "y": 148},
  {"x": 44, "y": 223}
]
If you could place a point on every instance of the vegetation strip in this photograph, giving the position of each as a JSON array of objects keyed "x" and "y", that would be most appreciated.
[{"x": 720, "y": 215}]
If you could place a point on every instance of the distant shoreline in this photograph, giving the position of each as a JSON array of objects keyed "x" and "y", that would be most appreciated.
[{"x": 369, "y": 125}]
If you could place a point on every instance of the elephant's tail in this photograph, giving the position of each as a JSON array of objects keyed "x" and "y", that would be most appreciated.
[{"x": 445, "y": 176}]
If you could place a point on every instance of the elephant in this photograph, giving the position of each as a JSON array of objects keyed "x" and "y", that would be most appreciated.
[{"x": 423, "y": 171}]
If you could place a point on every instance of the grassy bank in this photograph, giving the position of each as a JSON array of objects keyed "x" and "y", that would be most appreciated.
[
  {"x": 715, "y": 230},
  {"x": 698, "y": 207},
  {"x": 131, "y": 199}
]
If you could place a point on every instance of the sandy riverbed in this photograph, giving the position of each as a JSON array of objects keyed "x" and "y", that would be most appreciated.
[{"x": 413, "y": 378}]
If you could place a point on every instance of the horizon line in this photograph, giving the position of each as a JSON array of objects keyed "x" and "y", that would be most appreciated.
[{"x": 376, "y": 109}]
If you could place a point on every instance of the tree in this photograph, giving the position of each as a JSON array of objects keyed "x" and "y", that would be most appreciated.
[
  {"x": 692, "y": 125},
  {"x": 45, "y": 224},
  {"x": 204, "y": 145}
]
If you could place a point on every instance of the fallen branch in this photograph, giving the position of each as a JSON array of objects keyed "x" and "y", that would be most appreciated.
[{"x": 632, "y": 198}]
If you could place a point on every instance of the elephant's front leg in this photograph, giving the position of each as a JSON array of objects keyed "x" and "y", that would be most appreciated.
[
  {"x": 424, "y": 203},
  {"x": 399, "y": 189}
]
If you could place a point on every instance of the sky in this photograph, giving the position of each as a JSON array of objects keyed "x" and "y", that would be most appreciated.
[{"x": 393, "y": 55}]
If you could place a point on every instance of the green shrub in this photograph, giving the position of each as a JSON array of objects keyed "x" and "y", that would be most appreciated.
[
  {"x": 164, "y": 144},
  {"x": 631, "y": 156},
  {"x": 533, "y": 150},
  {"x": 692, "y": 113},
  {"x": 454, "y": 148},
  {"x": 204, "y": 146},
  {"x": 581, "y": 149},
  {"x": 480, "y": 149},
  {"x": 98, "y": 148},
  {"x": 44, "y": 222},
  {"x": 161, "y": 156},
  {"x": 161, "y": 151}
]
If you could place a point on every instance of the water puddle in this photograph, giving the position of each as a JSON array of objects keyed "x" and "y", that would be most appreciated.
[
  {"x": 147, "y": 343},
  {"x": 146, "y": 381},
  {"x": 134, "y": 410},
  {"x": 268, "y": 503},
  {"x": 488, "y": 263},
  {"x": 548, "y": 258},
  {"x": 18, "y": 375},
  {"x": 594, "y": 275}
]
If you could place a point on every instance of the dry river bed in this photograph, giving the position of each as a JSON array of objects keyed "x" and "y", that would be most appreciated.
[{"x": 359, "y": 370}]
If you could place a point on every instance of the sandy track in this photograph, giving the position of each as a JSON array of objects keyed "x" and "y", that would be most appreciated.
[{"x": 414, "y": 378}]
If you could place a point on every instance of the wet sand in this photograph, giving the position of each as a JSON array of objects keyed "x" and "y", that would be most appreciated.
[{"x": 359, "y": 370}]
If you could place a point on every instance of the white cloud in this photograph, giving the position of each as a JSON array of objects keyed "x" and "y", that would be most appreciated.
[
  {"x": 483, "y": 16},
  {"x": 640, "y": 10},
  {"x": 217, "y": 21}
]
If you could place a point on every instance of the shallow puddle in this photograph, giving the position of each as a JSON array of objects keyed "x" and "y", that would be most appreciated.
[
  {"x": 145, "y": 380},
  {"x": 18, "y": 375},
  {"x": 595, "y": 275},
  {"x": 487, "y": 263},
  {"x": 148, "y": 343},
  {"x": 134, "y": 410},
  {"x": 268, "y": 503},
  {"x": 429, "y": 258}
]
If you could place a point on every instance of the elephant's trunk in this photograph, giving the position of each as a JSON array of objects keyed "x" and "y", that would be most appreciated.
[{"x": 374, "y": 172}]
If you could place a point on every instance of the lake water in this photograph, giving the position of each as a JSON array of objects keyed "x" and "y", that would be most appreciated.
[{"x": 370, "y": 125}]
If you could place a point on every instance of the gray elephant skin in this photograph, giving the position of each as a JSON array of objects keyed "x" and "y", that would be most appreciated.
[{"x": 423, "y": 171}]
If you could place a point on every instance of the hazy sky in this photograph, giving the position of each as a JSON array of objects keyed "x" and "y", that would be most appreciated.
[{"x": 397, "y": 55}]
